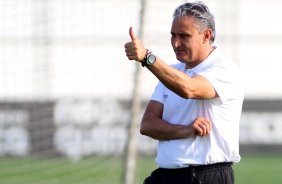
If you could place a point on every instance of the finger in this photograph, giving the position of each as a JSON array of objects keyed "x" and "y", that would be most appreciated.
[
  {"x": 131, "y": 58},
  {"x": 128, "y": 54},
  {"x": 128, "y": 45},
  {"x": 132, "y": 34},
  {"x": 208, "y": 125},
  {"x": 127, "y": 50},
  {"x": 199, "y": 131},
  {"x": 204, "y": 129}
]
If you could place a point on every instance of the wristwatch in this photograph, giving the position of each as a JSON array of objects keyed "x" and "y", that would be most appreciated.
[{"x": 149, "y": 59}]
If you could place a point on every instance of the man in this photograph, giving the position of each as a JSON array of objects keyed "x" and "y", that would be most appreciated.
[{"x": 195, "y": 109}]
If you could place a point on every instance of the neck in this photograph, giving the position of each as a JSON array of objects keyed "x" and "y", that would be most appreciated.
[{"x": 205, "y": 55}]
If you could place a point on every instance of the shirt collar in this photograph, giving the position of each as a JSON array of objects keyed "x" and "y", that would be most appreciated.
[{"x": 214, "y": 54}]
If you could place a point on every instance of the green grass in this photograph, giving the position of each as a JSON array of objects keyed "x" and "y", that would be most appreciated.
[
  {"x": 253, "y": 169},
  {"x": 259, "y": 169}
]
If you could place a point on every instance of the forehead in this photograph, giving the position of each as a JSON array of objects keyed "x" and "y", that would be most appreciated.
[{"x": 183, "y": 24}]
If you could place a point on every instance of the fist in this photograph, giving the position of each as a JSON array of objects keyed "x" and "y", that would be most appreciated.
[
  {"x": 202, "y": 126},
  {"x": 134, "y": 50}
]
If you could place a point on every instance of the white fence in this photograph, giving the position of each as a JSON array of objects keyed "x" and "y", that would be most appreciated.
[{"x": 83, "y": 127}]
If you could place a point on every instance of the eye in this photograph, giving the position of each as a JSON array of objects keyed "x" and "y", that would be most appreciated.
[{"x": 184, "y": 36}]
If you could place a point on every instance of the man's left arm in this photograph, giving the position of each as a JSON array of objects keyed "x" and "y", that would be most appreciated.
[{"x": 154, "y": 126}]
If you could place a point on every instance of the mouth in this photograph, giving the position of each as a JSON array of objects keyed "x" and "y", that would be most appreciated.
[{"x": 180, "y": 52}]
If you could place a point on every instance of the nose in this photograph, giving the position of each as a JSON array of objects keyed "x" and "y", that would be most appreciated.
[{"x": 175, "y": 42}]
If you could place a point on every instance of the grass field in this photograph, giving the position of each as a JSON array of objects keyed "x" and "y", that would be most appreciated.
[{"x": 253, "y": 169}]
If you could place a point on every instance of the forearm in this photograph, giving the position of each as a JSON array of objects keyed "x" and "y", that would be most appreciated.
[
  {"x": 159, "y": 129},
  {"x": 175, "y": 80},
  {"x": 179, "y": 82}
]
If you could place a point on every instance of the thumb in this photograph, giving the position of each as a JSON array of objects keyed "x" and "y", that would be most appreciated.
[{"x": 132, "y": 34}]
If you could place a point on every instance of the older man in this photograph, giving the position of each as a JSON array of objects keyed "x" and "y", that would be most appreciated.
[{"x": 195, "y": 109}]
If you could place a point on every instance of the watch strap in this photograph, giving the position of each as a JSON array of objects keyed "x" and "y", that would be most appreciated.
[{"x": 144, "y": 61}]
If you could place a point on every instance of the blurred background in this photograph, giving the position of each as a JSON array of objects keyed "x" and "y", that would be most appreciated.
[{"x": 67, "y": 90}]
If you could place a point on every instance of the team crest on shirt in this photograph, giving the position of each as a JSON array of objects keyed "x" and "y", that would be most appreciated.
[{"x": 165, "y": 97}]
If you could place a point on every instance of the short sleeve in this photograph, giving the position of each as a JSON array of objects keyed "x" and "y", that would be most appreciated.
[
  {"x": 158, "y": 94},
  {"x": 225, "y": 80}
]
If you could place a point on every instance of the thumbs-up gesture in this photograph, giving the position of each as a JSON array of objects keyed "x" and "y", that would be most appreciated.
[{"x": 134, "y": 50}]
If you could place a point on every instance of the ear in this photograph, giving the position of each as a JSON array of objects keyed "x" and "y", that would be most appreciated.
[{"x": 207, "y": 36}]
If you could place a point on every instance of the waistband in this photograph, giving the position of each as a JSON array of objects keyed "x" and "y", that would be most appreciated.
[{"x": 199, "y": 168}]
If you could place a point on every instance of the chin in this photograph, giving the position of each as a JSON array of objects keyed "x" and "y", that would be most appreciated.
[{"x": 181, "y": 59}]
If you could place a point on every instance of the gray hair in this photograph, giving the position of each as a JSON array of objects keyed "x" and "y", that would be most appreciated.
[{"x": 201, "y": 13}]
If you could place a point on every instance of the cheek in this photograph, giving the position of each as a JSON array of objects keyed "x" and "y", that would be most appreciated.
[
  {"x": 188, "y": 44},
  {"x": 193, "y": 46}
]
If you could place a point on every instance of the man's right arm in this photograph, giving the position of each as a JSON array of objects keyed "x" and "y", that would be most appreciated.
[{"x": 154, "y": 126}]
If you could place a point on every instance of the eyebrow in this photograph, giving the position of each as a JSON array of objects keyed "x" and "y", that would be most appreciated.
[{"x": 180, "y": 33}]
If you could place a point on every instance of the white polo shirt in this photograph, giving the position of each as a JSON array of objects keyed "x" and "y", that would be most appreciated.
[{"x": 222, "y": 144}]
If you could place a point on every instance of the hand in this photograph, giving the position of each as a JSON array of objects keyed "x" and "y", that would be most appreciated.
[
  {"x": 134, "y": 50},
  {"x": 201, "y": 126}
]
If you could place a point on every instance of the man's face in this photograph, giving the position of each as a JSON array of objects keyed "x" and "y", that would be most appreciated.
[{"x": 187, "y": 41}]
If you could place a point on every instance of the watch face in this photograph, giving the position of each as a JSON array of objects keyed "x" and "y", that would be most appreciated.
[{"x": 151, "y": 59}]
